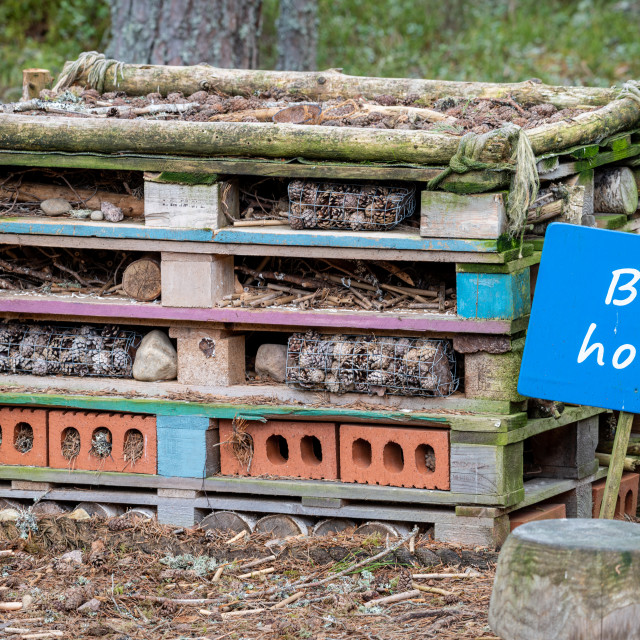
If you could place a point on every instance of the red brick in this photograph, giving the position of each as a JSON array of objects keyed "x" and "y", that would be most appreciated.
[
  {"x": 539, "y": 512},
  {"x": 118, "y": 424},
  {"x": 393, "y": 456},
  {"x": 300, "y": 459},
  {"x": 627, "y": 502},
  {"x": 10, "y": 422}
]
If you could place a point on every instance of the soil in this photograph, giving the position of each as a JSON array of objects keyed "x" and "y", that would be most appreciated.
[
  {"x": 134, "y": 572},
  {"x": 478, "y": 115}
]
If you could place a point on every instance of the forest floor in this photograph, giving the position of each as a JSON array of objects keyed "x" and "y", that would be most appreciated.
[{"x": 126, "y": 579}]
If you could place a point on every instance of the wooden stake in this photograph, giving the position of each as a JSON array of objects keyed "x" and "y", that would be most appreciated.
[
  {"x": 616, "y": 465},
  {"x": 34, "y": 81},
  {"x": 256, "y": 574}
]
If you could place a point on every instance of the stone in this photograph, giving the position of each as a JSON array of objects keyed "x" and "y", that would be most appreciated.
[
  {"x": 156, "y": 358},
  {"x": 71, "y": 557},
  {"x": 27, "y": 601},
  {"x": 96, "y": 215},
  {"x": 91, "y": 605},
  {"x": 9, "y": 515},
  {"x": 271, "y": 361},
  {"x": 111, "y": 213},
  {"x": 55, "y": 206},
  {"x": 80, "y": 214}
]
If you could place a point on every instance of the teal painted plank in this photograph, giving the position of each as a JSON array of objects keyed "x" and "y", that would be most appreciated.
[
  {"x": 345, "y": 239},
  {"x": 82, "y": 229},
  {"x": 504, "y": 296},
  {"x": 182, "y": 446}
]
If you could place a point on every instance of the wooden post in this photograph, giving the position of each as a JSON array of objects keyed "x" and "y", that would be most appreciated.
[
  {"x": 616, "y": 465},
  {"x": 34, "y": 81}
]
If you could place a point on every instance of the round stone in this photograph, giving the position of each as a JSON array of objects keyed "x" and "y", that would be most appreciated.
[
  {"x": 55, "y": 206},
  {"x": 97, "y": 215}
]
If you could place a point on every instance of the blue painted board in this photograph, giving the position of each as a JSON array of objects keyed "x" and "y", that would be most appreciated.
[
  {"x": 498, "y": 296},
  {"x": 185, "y": 447},
  {"x": 584, "y": 332}
]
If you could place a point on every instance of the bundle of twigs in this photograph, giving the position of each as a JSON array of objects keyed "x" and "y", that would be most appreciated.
[
  {"x": 48, "y": 270},
  {"x": 326, "y": 284}
]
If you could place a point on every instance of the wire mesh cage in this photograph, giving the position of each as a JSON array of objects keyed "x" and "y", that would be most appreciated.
[
  {"x": 329, "y": 205},
  {"x": 73, "y": 351},
  {"x": 397, "y": 366}
]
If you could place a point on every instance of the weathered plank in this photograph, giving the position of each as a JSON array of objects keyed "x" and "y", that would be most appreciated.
[{"x": 448, "y": 215}]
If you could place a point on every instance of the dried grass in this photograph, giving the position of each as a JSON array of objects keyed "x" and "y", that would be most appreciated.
[
  {"x": 101, "y": 443},
  {"x": 23, "y": 441},
  {"x": 71, "y": 444},
  {"x": 133, "y": 446},
  {"x": 241, "y": 443}
]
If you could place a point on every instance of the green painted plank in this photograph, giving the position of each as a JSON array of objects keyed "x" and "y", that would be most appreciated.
[
  {"x": 530, "y": 428},
  {"x": 508, "y": 267},
  {"x": 159, "y": 406}
]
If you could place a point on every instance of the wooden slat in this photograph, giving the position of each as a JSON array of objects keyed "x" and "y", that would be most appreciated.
[
  {"x": 68, "y": 307},
  {"x": 248, "y": 401},
  {"x": 569, "y": 168}
]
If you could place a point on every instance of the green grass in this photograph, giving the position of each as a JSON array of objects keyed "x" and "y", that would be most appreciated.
[{"x": 559, "y": 41}]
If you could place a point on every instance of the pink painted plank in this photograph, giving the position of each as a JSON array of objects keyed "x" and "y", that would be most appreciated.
[{"x": 339, "y": 320}]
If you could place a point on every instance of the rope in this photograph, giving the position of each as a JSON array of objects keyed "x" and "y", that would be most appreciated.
[
  {"x": 96, "y": 64},
  {"x": 631, "y": 90},
  {"x": 524, "y": 182}
]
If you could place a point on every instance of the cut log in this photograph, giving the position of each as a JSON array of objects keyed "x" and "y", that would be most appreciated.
[
  {"x": 231, "y": 521},
  {"x": 141, "y": 280},
  {"x": 395, "y": 530},
  {"x": 138, "y": 79},
  {"x": 100, "y": 510},
  {"x": 34, "y": 81},
  {"x": 283, "y": 526},
  {"x": 29, "y": 192},
  {"x": 615, "y": 191},
  {"x": 332, "y": 525},
  {"x": 568, "y": 580}
]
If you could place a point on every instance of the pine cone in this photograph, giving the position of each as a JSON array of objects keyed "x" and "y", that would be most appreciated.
[
  {"x": 120, "y": 361},
  {"x": 118, "y": 524},
  {"x": 296, "y": 187},
  {"x": 39, "y": 367},
  {"x": 405, "y": 581},
  {"x": 100, "y": 362}
]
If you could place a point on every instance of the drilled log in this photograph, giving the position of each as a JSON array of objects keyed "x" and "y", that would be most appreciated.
[
  {"x": 34, "y": 81},
  {"x": 136, "y": 79}
]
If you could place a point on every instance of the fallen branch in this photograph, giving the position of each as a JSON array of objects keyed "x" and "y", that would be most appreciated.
[
  {"x": 396, "y": 597},
  {"x": 440, "y": 592}
]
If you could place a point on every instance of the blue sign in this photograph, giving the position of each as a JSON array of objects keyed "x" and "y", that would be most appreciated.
[{"x": 583, "y": 342}]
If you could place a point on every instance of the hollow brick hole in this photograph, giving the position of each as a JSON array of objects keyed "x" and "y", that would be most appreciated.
[
  {"x": 393, "y": 457},
  {"x": 628, "y": 503},
  {"x": 133, "y": 448},
  {"x": 311, "y": 450},
  {"x": 425, "y": 459},
  {"x": 101, "y": 443},
  {"x": 361, "y": 453},
  {"x": 23, "y": 437},
  {"x": 70, "y": 443},
  {"x": 277, "y": 449}
]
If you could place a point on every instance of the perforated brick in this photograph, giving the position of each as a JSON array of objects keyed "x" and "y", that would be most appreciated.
[
  {"x": 119, "y": 426},
  {"x": 627, "y": 502},
  {"x": 393, "y": 456},
  {"x": 19, "y": 423},
  {"x": 295, "y": 449},
  {"x": 539, "y": 512}
]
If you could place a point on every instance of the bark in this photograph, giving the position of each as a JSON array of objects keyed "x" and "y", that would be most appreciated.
[
  {"x": 297, "y": 27},
  {"x": 325, "y": 85},
  {"x": 182, "y": 32},
  {"x": 615, "y": 191}
]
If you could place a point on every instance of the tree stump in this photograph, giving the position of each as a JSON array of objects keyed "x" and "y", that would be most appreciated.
[
  {"x": 615, "y": 191},
  {"x": 572, "y": 579},
  {"x": 332, "y": 525},
  {"x": 142, "y": 280}
]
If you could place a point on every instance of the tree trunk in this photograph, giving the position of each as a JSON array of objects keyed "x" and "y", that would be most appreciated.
[
  {"x": 140, "y": 79},
  {"x": 297, "y": 35},
  {"x": 568, "y": 580},
  {"x": 182, "y": 32}
]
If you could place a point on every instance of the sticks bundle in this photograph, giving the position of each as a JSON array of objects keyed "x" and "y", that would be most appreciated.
[{"x": 326, "y": 284}]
